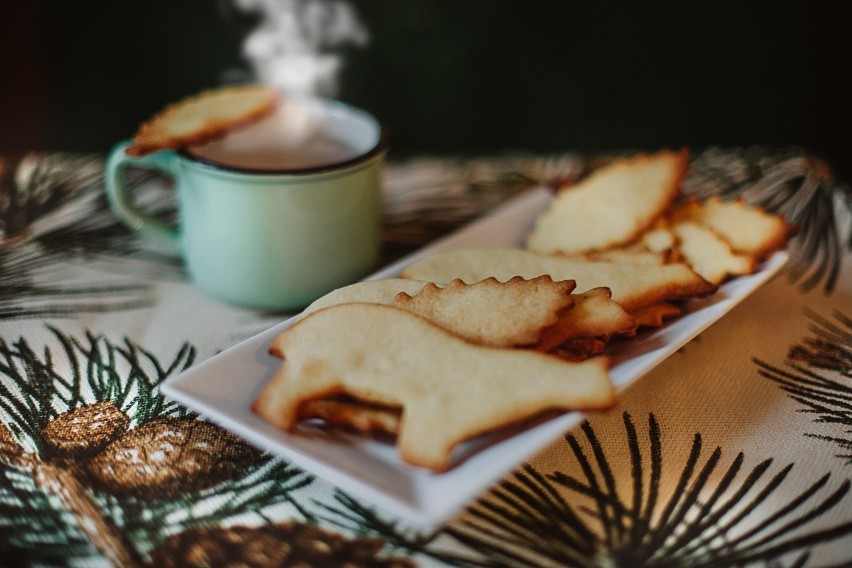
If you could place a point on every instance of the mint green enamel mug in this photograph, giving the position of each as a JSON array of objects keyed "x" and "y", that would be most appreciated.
[{"x": 275, "y": 214}]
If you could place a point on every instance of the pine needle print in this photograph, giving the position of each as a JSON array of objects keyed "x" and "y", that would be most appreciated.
[
  {"x": 708, "y": 519},
  {"x": 52, "y": 208},
  {"x": 818, "y": 375}
]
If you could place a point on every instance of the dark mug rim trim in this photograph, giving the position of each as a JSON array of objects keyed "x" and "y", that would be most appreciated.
[{"x": 380, "y": 148}]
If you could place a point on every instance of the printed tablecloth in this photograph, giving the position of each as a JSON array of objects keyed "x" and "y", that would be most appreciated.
[{"x": 735, "y": 451}]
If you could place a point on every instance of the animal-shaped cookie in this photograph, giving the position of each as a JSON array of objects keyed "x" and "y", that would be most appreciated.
[{"x": 450, "y": 389}]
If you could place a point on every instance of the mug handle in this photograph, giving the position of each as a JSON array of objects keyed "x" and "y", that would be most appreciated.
[{"x": 122, "y": 203}]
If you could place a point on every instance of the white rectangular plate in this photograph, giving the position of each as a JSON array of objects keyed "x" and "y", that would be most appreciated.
[{"x": 223, "y": 387}]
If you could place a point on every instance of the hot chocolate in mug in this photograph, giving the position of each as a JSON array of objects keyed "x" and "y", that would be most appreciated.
[{"x": 274, "y": 214}]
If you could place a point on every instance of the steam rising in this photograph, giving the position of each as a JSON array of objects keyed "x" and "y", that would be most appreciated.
[{"x": 296, "y": 46}]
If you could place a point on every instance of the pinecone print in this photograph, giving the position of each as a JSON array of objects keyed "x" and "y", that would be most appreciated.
[
  {"x": 84, "y": 431},
  {"x": 9, "y": 447},
  {"x": 285, "y": 544},
  {"x": 167, "y": 457}
]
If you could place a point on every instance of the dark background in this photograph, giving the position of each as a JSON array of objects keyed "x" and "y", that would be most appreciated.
[{"x": 458, "y": 76}]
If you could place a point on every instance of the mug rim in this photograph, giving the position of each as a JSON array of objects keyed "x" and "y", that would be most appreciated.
[{"x": 379, "y": 148}]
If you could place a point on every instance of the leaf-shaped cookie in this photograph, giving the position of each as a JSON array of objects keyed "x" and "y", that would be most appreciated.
[
  {"x": 633, "y": 285},
  {"x": 203, "y": 117},
  {"x": 611, "y": 206}
]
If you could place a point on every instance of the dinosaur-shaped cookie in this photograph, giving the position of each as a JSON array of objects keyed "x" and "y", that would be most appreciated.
[{"x": 450, "y": 389}]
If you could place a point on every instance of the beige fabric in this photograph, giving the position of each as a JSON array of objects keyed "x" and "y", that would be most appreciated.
[{"x": 126, "y": 315}]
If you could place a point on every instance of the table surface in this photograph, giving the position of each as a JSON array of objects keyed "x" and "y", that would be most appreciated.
[{"x": 737, "y": 450}]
